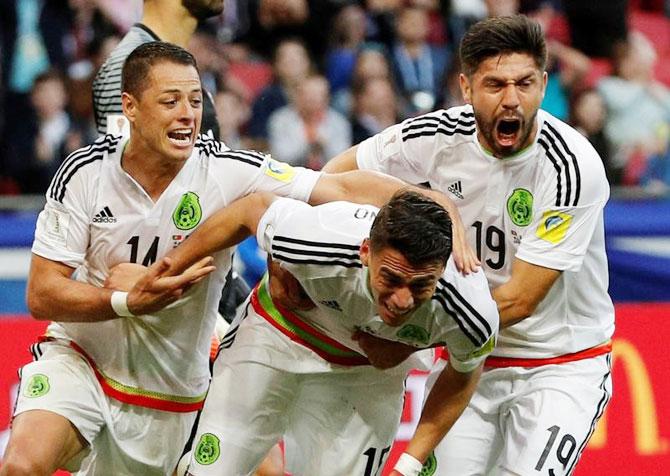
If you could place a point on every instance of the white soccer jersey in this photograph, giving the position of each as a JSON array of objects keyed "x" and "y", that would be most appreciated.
[
  {"x": 320, "y": 246},
  {"x": 544, "y": 206},
  {"x": 97, "y": 216}
]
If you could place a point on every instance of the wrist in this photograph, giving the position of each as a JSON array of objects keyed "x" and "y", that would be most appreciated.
[
  {"x": 119, "y": 302},
  {"x": 408, "y": 465}
]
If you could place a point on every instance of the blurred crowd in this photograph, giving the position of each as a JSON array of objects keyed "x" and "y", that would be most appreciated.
[{"x": 306, "y": 79}]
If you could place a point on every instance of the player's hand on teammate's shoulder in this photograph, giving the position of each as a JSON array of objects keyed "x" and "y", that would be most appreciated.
[
  {"x": 151, "y": 289},
  {"x": 285, "y": 289},
  {"x": 465, "y": 258},
  {"x": 382, "y": 353}
]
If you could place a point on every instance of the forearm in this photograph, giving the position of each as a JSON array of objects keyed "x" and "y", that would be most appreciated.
[
  {"x": 445, "y": 403},
  {"x": 226, "y": 228},
  {"x": 513, "y": 306},
  {"x": 53, "y": 295},
  {"x": 518, "y": 298}
]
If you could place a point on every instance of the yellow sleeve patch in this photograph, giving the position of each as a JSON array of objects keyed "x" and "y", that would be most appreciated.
[
  {"x": 553, "y": 226},
  {"x": 280, "y": 171}
]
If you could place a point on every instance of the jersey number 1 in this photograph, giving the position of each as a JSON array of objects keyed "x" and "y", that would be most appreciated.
[{"x": 151, "y": 254}]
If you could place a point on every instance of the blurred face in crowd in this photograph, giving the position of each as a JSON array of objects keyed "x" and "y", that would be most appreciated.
[
  {"x": 397, "y": 286},
  {"x": 505, "y": 92},
  {"x": 378, "y": 100},
  {"x": 589, "y": 112},
  {"x": 371, "y": 64},
  {"x": 312, "y": 97},
  {"x": 232, "y": 112},
  {"x": 350, "y": 24},
  {"x": 291, "y": 62},
  {"x": 412, "y": 25},
  {"x": 203, "y": 9},
  {"x": 166, "y": 116},
  {"x": 49, "y": 97}
]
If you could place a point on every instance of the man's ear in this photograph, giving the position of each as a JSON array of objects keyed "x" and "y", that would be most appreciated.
[
  {"x": 466, "y": 90},
  {"x": 365, "y": 251},
  {"x": 129, "y": 105}
]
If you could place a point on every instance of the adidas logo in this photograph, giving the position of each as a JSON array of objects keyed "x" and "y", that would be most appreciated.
[
  {"x": 104, "y": 216},
  {"x": 332, "y": 305},
  {"x": 456, "y": 189}
]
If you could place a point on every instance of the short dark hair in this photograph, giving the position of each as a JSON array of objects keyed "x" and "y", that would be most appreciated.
[
  {"x": 502, "y": 35},
  {"x": 414, "y": 225},
  {"x": 140, "y": 61}
]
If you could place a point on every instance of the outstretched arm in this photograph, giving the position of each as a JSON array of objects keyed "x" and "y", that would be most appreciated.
[
  {"x": 445, "y": 403},
  {"x": 381, "y": 187},
  {"x": 226, "y": 228},
  {"x": 53, "y": 295}
]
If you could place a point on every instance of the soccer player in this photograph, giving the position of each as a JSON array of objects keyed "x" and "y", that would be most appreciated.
[
  {"x": 531, "y": 191},
  {"x": 117, "y": 383},
  {"x": 383, "y": 271},
  {"x": 173, "y": 21}
]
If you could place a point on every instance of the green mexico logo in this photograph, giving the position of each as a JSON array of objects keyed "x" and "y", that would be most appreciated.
[
  {"x": 413, "y": 333},
  {"x": 208, "y": 449},
  {"x": 520, "y": 207},
  {"x": 430, "y": 466},
  {"x": 37, "y": 386},
  {"x": 188, "y": 213}
]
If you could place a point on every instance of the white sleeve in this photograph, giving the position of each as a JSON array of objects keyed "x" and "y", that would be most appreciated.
[
  {"x": 559, "y": 236},
  {"x": 388, "y": 152},
  {"x": 62, "y": 232},
  {"x": 277, "y": 213},
  {"x": 471, "y": 305},
  {"x": 241, "y": 172},
  {"x": 285, "y": 180}
]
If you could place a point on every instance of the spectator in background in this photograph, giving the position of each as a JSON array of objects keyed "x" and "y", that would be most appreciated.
[
  {"x": 371, "y": 63},
  {"x": 53, "y": 134},
  {"x": 418, "y": 67},
  {"x": 597, "y": 26},
  {"x": 638, "y": 107},
  {"x": 233, "y": 112},
  {"x": 375, "y": 108},
  {"x": 588, "y": 116},
  {"x": 307, "y": 132},
  {"x": 566, "y": 67},
  {"x": 291, "y": 64},
  {"x": 347, "y": 37}
]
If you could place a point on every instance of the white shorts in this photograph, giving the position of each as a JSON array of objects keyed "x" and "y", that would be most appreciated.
[
  {"x": 124, "y": 439},
  {"x": 525, "y": 421},
  {"x": 338, "y": 420}
]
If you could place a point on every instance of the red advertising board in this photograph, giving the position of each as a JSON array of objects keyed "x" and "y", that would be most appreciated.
[{"x": 633, "y": 437}]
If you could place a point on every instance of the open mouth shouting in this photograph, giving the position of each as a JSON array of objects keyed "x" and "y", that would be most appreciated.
[
  {"x": 508, "y": 131},
  {"x": 181, "y": 137}
]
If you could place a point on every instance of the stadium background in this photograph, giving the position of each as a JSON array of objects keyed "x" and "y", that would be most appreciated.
[{"x": 234, "y": 52}]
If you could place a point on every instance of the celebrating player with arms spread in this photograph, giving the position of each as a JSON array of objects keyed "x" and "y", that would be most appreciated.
[{"x": 531, "y": 190}]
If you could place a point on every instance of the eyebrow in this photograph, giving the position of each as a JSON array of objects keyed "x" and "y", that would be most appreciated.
[{"x": 179, "y": 91}]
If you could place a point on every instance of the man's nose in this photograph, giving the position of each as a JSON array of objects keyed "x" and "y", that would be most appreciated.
[
  {"x": 402, "y": 299},
  {"x": 510, "y": 97}
]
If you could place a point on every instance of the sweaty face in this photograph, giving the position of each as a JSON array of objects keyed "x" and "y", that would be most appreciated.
[
  {"x": 505, "y": 92},
  {"x": 397, "y": 286},
  {"x": 203, "y": 9},
  {"x": 167, "y": 115}
]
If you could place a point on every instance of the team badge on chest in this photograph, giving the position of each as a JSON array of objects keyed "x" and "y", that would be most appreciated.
[
  {"x": 520, "y": 207},
  {"x": 188, "y": 213}
]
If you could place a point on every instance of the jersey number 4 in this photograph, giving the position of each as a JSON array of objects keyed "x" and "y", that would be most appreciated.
[
  {"x": 494, "y": 239},
  {"x": 151, "y": 254}
]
